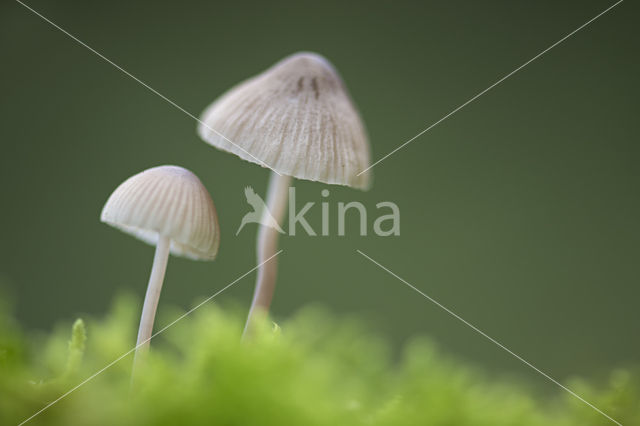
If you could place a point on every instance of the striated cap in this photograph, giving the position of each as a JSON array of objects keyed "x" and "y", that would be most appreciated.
[
  {"x": 169, "y": 201},
  {"x": 297, "y": 118}
]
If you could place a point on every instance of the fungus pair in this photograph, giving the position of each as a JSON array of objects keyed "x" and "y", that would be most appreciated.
[{"x": 296, "y": 118}]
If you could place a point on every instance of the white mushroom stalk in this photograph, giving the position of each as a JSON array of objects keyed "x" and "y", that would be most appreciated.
[
  {"x": 267, "y": 246},
  {"x": 298, "y": 119},
  {"x": 152, "y": 296},
  {"x": 168, "y": 207}
]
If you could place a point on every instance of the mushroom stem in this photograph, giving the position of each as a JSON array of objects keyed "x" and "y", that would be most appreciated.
[
  {"x": 151, "y": 298},
  {"x": 267, "y": 245}
]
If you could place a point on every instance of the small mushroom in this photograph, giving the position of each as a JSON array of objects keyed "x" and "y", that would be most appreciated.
[
  {"x": 170, "y": 208},
  {"x": 298, "y": 119}
]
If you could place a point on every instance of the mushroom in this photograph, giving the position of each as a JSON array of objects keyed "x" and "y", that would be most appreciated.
[
  {"x": 170, "y": 208},
  {"x": 298, "y": 119}
]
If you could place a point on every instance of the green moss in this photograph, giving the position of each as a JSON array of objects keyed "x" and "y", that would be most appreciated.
[{"x": 310, "y": 370}]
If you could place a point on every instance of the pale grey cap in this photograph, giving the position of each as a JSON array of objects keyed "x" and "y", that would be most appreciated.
[
  {"x": 169, "y": 201},
  {"x": 296, "y": 118}
]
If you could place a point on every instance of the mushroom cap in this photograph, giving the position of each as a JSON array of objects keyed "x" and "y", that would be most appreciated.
[
  {"x": 296, "y": 118},
  {"x": 169, "y": 201}
]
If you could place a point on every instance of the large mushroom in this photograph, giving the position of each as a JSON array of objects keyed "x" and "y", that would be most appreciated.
[
  {"x": 298, "y": 119},
  {"x": 170, "y": 208}
]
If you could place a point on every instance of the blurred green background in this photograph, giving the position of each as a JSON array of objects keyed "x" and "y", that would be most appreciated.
[{"x": 519, "y": 213}]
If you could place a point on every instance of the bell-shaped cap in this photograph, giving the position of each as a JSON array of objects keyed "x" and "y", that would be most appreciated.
[
  {"x": 296, "y": 118},
  {"x": 169, "y": 201}
]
